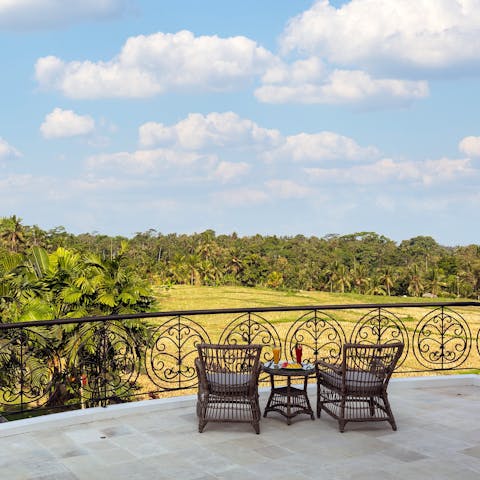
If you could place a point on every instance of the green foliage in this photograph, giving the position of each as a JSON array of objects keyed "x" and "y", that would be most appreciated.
[
  {"x": 95, "y": 274},
  {"x": 42, "y": 285},
  {"x": 39, "y": 285}
]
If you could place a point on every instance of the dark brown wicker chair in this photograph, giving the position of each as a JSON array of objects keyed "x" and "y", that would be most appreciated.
[
  {"x": 355, "y": 389},
  {"x": 228, "y": 384}
]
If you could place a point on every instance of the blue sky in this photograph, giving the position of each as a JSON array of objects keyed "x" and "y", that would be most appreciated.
[{"x": 275, "y": 116}]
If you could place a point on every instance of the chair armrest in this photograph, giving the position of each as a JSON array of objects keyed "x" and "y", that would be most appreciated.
[
  {"x": 322, "y": 366},
  {"x": 201, "y": 375},
  {"x": 253, "y": 383}
]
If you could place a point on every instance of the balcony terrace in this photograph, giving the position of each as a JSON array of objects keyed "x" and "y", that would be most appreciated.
[
  {"x": 106, "y": 361},
  {"x": 438, "y": 437}
]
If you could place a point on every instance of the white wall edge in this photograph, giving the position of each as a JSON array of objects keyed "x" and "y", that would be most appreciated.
[{"x": 116, "y": 411}]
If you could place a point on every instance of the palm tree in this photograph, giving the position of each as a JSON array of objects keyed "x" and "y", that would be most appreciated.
[
  {"x": 342, "y": 278},
  {"x": 360, "y": 277},
  {"x": 415, "y": 282},
  {"x": 330, "y": 274},
  {"x": 178, "y": 269},
  {"x": 113, "y": 286},
  {"x": 435, "y": 280},
  {"x": 376, "y": 286},
  {"x": 35, "y": 236},
  {"x": 206, "y": 272},
  {"x": 12, "y": 232},
  {"x": 9, "y": 285},
  {"x": 65, "y": 284},
  {"x": 192, "y": 262},
  {"x": 234, "y": 264},
  {"x": 387, "y": 278}
]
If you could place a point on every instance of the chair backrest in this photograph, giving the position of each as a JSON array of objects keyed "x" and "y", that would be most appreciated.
[
  {"x": 230, "y": 359},
  {"x": 379, "y": 360}
]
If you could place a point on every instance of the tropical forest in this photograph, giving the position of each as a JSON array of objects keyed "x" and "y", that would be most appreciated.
[{"x": 47, "y": 274}]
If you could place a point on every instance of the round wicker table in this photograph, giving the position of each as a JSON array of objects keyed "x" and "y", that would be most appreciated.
[{"x": 287, "y": 400}]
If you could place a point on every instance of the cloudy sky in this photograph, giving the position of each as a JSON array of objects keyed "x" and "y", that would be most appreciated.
[{"x": 275, "y": 116}]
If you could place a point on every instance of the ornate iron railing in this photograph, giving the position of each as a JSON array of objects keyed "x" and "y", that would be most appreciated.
[{"x": 68, "y": 363}]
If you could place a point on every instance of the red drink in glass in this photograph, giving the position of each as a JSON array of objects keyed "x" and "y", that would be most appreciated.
[{"x": 298, "y": 353}]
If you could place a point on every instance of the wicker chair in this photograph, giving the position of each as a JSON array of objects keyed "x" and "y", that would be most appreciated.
[
  {"x": 355, "y": 390},
  {"x": 228, "y": 384}
]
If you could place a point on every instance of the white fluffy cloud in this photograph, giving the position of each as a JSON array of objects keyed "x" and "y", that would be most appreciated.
[
  {"x": 7, "y": 151},
  {"x": 169, "y": 164},
  {"x": 227, "y": 171},
  {"x": 262, "y": 167},
  {"x": 287, "y": 189},
  {"x": 240, "y": 197},
  {"x": 32, "y": 14},
  {"x": 199, "y": 131},
  {"x": 470, "y": 146},
  {"x": 352, "y": 87},
  {"x": 390, "y": 35},
  {"x": 386, "y": 171},
  {"x": 229, "y": 136},
  {"x": 375, "y": 60},
  {"x": 153, "y": 162},
  {"x": 66, "y": 123},
  {"x": 305, "y": 71},
  {"x": 153, "y": 64},
  {"x": 320, "y": 147}
]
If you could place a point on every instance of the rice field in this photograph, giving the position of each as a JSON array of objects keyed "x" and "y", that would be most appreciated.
[{"x": 426, "y": 330}]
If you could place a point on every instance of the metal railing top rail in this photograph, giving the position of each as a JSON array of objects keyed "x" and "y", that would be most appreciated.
[{"x": 219, "y": 311}]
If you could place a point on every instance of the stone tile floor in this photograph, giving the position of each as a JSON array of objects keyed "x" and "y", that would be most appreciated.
[{"x": 438, "y": 437}]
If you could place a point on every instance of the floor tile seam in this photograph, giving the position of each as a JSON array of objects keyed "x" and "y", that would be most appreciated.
[
  {"x": 407, "y": 451},
  {"x": 74, "y": 476},
  {"x": 451, "y": 465}
]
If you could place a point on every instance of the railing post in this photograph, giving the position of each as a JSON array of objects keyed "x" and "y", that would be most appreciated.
[
  {"x": 179, "y": 350},
  {"x": 249, "y": 330},
  {"x": 379, "y": 325},
  {"x": 104, "y": 350},
  {"x": 442, "y": 338},
  {"x": 22, "y": 373}
]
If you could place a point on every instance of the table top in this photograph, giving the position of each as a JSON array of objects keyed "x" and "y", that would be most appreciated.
[{"x": 288, "y": 372}]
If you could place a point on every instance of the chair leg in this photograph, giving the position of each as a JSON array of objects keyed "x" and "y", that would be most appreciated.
[
  {"x": 341, "y": 419},
  {"x": 372, "y": 406},
  {"x": 391, "y": 418},
  {"x": 319, "y": 401},
  {"x": 201, "y": 413},
  {"x": 256, "y": 414}
]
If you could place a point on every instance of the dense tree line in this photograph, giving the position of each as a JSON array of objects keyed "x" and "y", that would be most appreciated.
[{"x": 364, "y": 262}]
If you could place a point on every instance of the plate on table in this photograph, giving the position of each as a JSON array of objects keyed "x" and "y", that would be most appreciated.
[{"x": 292, "y": 366}]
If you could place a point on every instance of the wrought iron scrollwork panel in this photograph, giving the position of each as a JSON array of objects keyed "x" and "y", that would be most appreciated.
[
  {"x": 103, "y": 363},
  {"x": 171, "y": 353},
  {"x": 320, "y": 335},
  {"x": 478, "y": 341},
  {"x": 381, "y": 326},
  {"x": 29, "y": 365},
  {"x": 442, "y": 339},
  {"x": 251, "y": 328}
]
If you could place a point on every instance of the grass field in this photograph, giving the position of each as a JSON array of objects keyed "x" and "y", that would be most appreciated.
[
  {"x": 200, "y": 298},
  {"x": 184, "y": 297}
]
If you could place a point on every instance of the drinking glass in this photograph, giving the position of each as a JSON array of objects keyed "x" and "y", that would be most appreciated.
[
  {"x": 276, "y": 355},
  {"x": 298, "y": 353}
]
